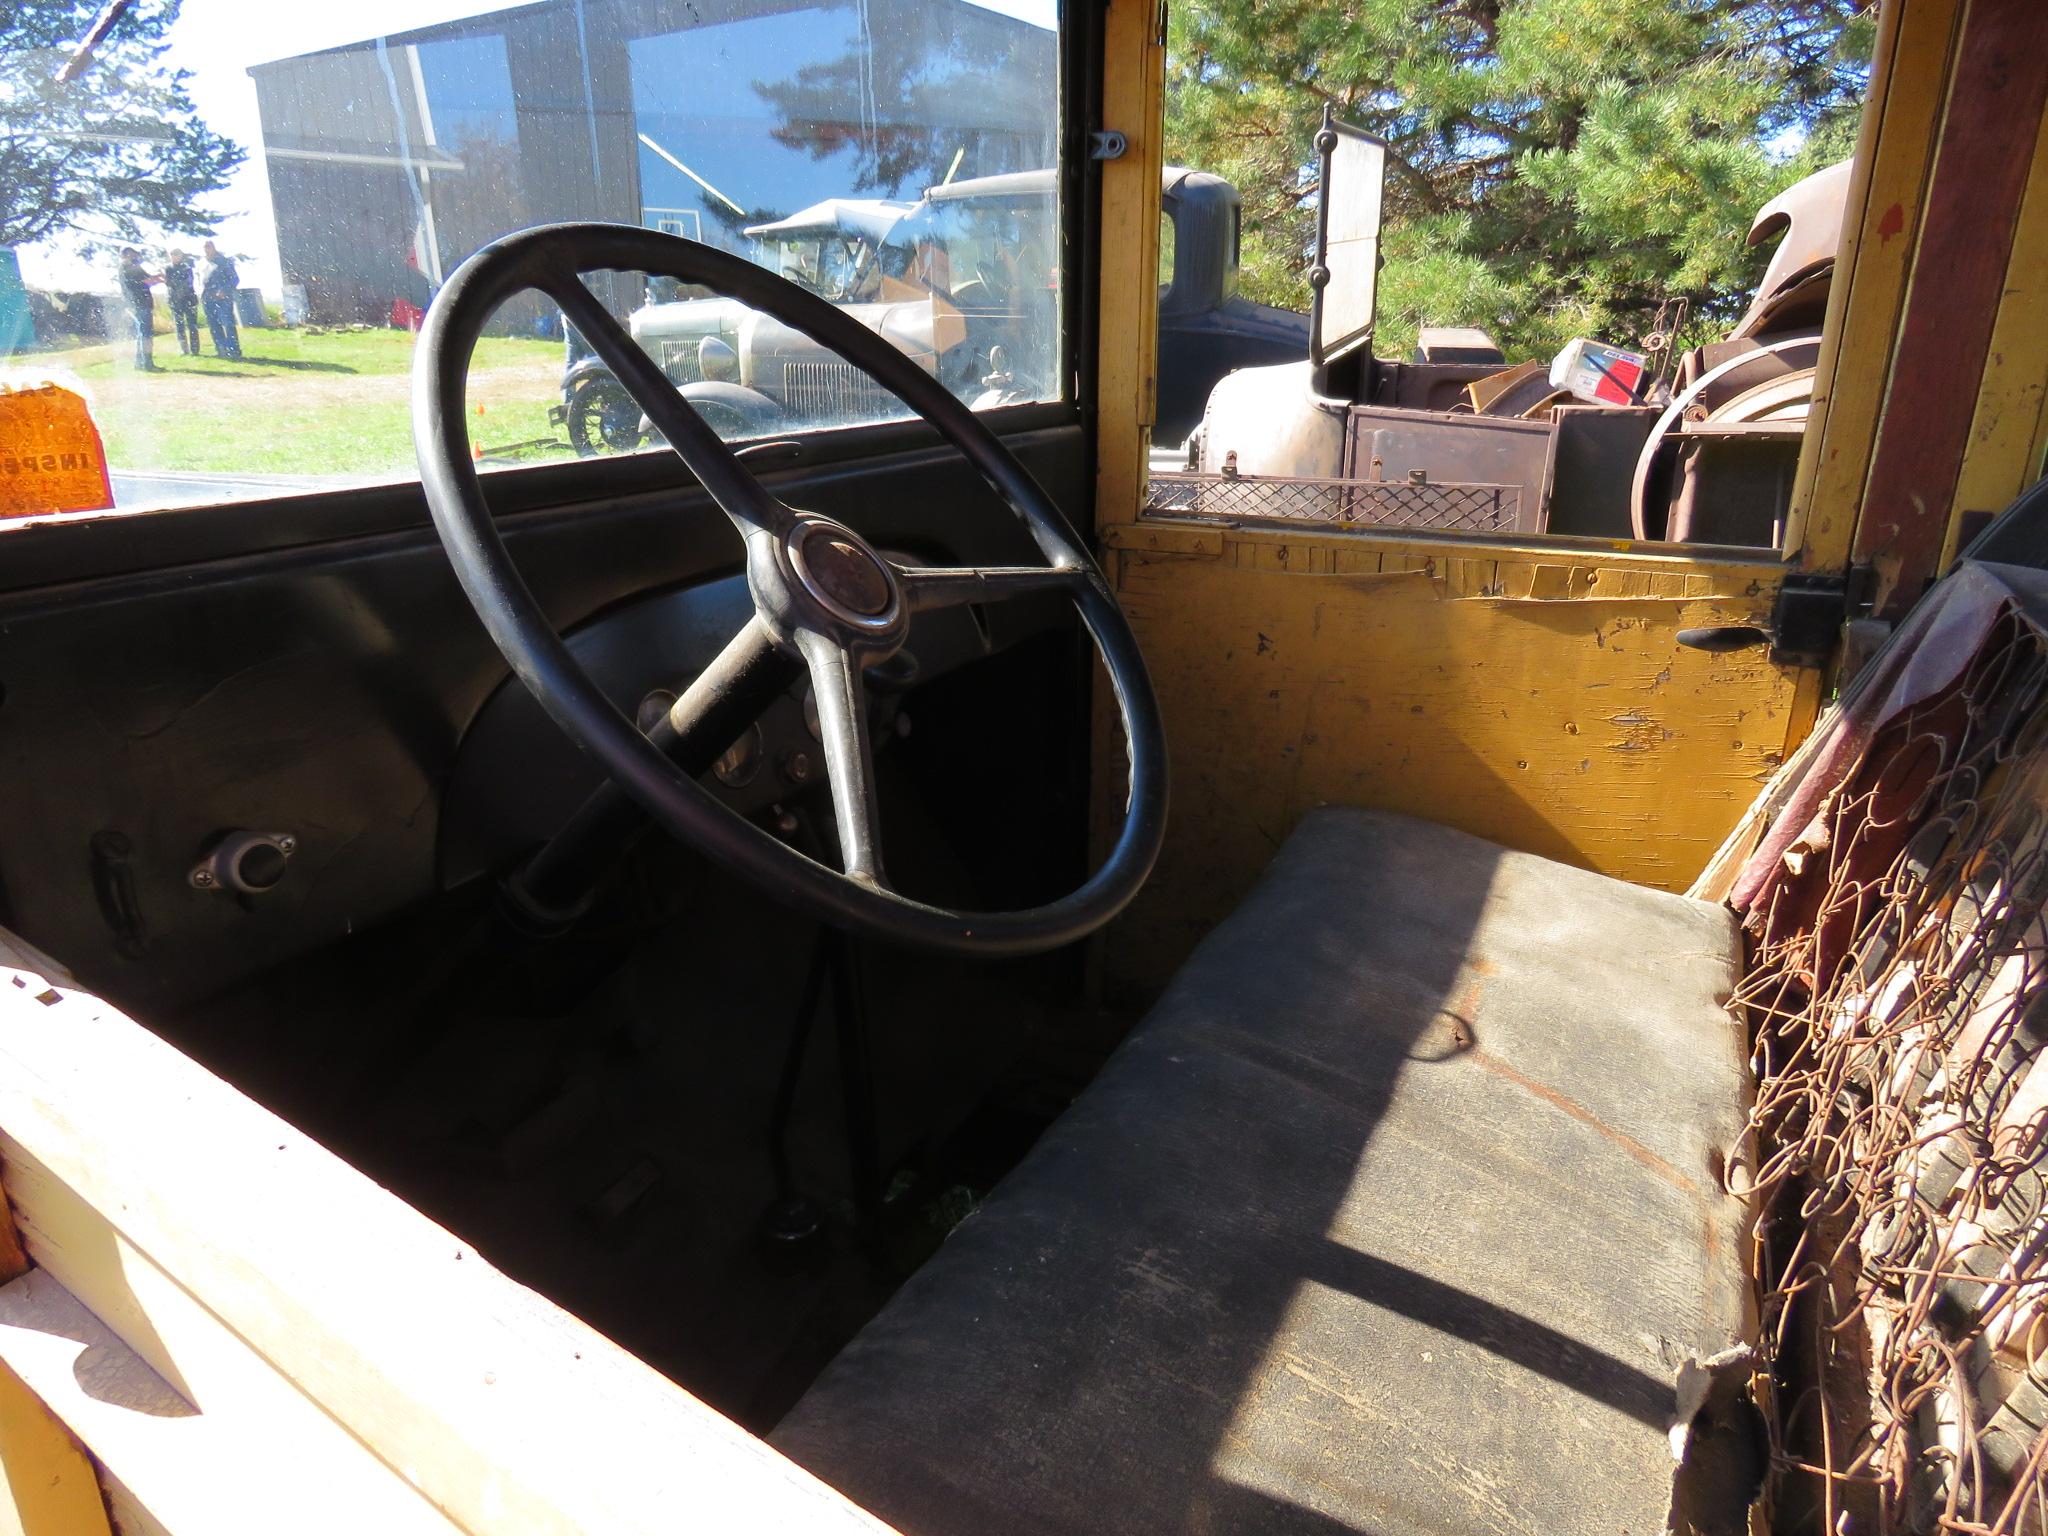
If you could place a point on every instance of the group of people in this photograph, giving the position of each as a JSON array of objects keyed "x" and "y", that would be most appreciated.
[{"x": 189, "y": 286}]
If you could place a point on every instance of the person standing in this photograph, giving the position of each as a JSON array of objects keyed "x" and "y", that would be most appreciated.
[
  {"x": 182, "y": 294},
  {"x": 218, "y": 282},
  {"x": 141, "y": 306}
]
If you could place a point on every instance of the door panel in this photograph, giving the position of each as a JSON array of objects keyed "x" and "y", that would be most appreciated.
[{"x": 1532, "y": 693}]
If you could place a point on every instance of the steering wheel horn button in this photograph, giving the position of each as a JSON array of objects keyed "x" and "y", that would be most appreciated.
[{"x": 840, "y": 571}]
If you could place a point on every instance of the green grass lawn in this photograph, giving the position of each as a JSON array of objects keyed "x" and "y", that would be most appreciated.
[{"x": 300, "y": 403}]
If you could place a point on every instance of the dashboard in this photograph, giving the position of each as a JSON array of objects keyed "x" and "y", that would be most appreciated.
[{"x": 309, "y": 668}]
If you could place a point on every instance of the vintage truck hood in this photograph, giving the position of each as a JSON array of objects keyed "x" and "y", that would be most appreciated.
[
  {"x": 687, "y": 319},
  {"x": 923, "y": 328}
]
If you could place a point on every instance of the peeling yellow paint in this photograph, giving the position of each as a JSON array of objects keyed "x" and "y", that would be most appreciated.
[
  {"x": 1532, "y": 694},
  {"x": 47, "y": 1483},
  {"x": 1880, "y": 231}
]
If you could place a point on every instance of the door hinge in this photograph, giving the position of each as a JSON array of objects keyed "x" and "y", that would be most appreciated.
[{"x": 1812, "y": 607}]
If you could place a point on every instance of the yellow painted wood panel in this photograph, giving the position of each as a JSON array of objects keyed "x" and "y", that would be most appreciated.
[
  {"x": 1901, "y": 123},
  {"x": 2002, "y": 458},
  {"x": 1538, "y": 698},
  {"x": 47, "y": 1484}
]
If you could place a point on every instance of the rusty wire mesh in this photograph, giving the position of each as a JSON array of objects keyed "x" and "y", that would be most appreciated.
[
  {"x": 1896, "y": 987},
  {"x": 1445, "y": 504}
]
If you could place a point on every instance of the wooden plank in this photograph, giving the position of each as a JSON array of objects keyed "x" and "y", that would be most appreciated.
[
  {"x": 1966, "y": 239},
  {"x": 2002, "y": 458},
  {"x": 47, "y": 1484},
  {"x": 1561, "y": 717},
  {"x": 1133, "y": 94},
  {"x": 198, "y": 1431},
  {"x": 1901, "y": 117},
  {"x": 501, "y": 1410},
  {"x": 245, "y": 1466},
  {"x": 1126, "y": 363}
]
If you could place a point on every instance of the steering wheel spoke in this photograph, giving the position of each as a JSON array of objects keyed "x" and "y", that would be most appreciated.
[
  {"x": 717, "y": 467},
  {"x": 723, "y": 700},
  {"x": 926, "y": 587},
  {"x": 849, "y": 757}
]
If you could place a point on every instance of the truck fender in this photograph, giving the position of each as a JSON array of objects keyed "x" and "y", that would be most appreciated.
[
  {"x": 583, "y": 368},
  {"x": 722, "y": 402}
]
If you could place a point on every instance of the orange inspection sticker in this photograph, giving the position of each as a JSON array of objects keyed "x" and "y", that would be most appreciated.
[{"x": 50, "y": 456}]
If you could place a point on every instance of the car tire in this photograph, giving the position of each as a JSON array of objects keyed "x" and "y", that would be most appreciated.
[{"x": 600, "y": 417}]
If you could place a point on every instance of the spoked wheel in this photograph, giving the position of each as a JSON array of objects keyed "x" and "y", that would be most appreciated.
[{"x": 602, "y": 417}]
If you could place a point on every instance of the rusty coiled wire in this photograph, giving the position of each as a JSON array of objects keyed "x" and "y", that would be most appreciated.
[{"x": 1898, "y": 994}]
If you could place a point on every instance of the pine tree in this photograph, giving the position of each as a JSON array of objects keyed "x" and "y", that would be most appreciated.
[
  {"x": 111, "y": 152},
  {"x": 1555, "y": 167}
]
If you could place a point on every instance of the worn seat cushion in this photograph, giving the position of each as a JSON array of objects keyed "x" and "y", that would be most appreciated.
[{"x": 1396, "y": 1215}]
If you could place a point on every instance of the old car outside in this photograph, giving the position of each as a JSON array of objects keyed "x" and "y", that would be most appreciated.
[{"x": 965, "y": 280}]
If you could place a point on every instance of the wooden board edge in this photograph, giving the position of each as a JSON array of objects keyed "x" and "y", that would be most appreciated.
[
  {"x": 495, "y": 1403},
  {"x": 200, "y": 1434}
]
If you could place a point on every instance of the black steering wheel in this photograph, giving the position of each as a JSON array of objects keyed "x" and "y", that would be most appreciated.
[{"x": 824, "y": 600}]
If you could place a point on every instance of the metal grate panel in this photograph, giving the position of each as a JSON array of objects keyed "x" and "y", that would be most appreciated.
[
  {"x": 835, "y": 391},
  {"x": 1440, "y": 504}
]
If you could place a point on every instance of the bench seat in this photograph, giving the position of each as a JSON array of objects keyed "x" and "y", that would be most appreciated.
[{"x": 1396, "y": 1214}]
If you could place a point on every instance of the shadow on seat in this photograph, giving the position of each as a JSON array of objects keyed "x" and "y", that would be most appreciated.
[{"x": 1398, "y": 1213}]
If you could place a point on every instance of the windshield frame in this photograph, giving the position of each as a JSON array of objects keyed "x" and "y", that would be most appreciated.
[{"x": 42, "y": 548}]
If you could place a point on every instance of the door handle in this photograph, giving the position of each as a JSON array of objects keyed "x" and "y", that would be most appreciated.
[{"x": 1723, "y": 637}]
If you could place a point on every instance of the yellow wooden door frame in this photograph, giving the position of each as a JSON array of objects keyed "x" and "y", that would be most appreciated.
[{"x": 1133, "y": 104}]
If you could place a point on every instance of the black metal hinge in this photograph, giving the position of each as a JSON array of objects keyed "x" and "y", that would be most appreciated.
[{"x": 1812, "y": 607}]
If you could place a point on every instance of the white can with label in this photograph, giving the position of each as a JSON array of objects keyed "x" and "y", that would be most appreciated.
[{"x": 1595, "y": 371}]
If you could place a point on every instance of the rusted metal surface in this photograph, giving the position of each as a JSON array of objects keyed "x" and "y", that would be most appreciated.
[
  {"x": 1452, "y": 506},
  {"x": 1809, "y": 215},
  {"x": 1896, "y": 986}
]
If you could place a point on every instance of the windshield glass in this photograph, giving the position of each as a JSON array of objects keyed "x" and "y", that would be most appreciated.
[
  {"x": 993, "y": 250},
  {"x": 237, "y": 215}
]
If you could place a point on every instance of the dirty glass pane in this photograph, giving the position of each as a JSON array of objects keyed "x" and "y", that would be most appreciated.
[
  {"x": 1357, "y": 177},
  {"x": 311, "y": 175}
]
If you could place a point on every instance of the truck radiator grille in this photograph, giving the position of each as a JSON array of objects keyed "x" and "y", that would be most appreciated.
[
  {"x": 835, "y": 392},
  {"x": 1446, "y": 505}
]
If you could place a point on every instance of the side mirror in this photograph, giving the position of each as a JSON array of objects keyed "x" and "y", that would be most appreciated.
[{"x": 1345, "y": 278}]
